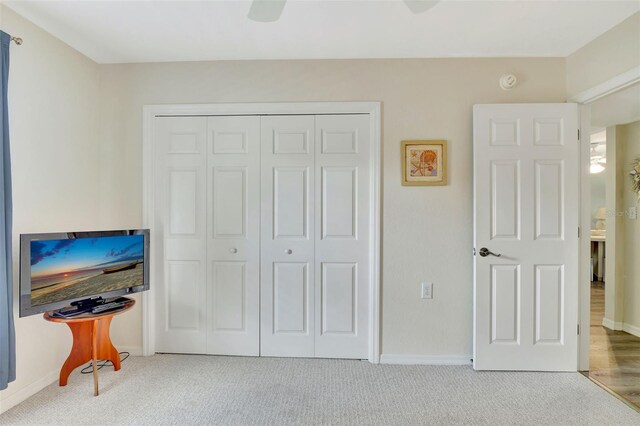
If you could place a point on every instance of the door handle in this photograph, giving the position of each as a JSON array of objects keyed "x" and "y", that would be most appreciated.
[
  {"x": 233, "y": 250},
  {"x": 288, "y": 251},
  {"x": 484, "y": 252}
]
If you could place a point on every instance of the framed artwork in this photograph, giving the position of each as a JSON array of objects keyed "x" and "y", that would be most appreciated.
[{"x": 424, "y": 163}]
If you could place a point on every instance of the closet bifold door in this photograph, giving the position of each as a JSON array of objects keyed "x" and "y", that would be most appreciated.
[
  {"x": 233, "y": 235},
  {"x": 287, "y": 236},
  {"x": 343, "y": 196},
  {"x": 180, "y": 218}
]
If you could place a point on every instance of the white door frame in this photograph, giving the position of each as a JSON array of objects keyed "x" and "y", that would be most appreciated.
[
  {"x": 585, "y": 99},
  {"x": 150, "y": 112}
]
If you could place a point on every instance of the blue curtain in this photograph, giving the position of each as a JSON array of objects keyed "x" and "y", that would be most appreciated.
[{"x": 7, "y": 331}]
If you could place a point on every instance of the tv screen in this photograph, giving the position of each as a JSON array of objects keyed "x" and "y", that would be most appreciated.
[{"x": 59, "y": 268}]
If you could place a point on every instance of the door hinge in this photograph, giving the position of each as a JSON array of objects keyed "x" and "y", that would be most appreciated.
[
  {"x": 578, "y": 328},
  {"x": 578, "y": 232},
  {"x": 578, "y": 134}
]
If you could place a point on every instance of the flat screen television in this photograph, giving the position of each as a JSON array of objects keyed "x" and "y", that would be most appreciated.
[{"x": 64, "y": 268}]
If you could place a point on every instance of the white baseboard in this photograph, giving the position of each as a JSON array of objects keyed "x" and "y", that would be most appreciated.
[
  {"x": 28, "y": 391},
  {"x": 425, "y": 359},
  {"x": 631, "y": 329},
  {"x": 621, "y": 326},
  {"x": 133, "y": 350},
  {"x": 612, "y": 325}
]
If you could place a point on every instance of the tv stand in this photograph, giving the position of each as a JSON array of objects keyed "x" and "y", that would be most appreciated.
[{"x": 91, "y": 341}]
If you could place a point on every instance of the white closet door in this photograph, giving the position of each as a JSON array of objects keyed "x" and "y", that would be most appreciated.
[
  {"x": 342, "y": 236},
  {"x": 287, "y": 229},
  {"x": 180, "y": 217},
  {"x": 233, "y": 241}
]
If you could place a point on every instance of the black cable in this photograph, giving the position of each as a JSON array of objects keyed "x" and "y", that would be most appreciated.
[{"x": 101, "y": 363}]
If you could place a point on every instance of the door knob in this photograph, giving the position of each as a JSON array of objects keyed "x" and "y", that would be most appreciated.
[
  {"x": 288, "y": 251},
  {"x": 233, "y": 250},
  {"x": 484, "y": 252}
]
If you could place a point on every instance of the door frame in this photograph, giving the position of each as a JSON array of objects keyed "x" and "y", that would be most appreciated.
[
  {"x": 584, "y": 99},
  {"x": 373, "y": 109}
]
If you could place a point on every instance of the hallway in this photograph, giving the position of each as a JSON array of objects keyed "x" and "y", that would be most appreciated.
[{"x": 614, "y": 356}]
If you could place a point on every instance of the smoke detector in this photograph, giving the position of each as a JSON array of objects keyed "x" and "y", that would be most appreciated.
[{"x": 508, "y": 81}]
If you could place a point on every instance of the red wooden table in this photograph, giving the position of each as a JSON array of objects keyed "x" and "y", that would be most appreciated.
[{"x": 91, "y": 341}]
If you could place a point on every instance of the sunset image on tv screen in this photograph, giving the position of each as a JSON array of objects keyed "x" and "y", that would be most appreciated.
[{"x": 74, "y": 268}]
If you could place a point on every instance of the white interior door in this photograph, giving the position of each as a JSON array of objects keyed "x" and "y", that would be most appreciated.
[
  {"x": 233, "y": 243},
  {"x": 526, "y": 191},
  {"x": 180, "y": 218},
  {"x": 342, "y": 182},
  {"x": 287, "y": 246}
]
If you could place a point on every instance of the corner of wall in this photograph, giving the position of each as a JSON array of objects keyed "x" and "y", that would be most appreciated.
[{"x": 612, "y": 54}]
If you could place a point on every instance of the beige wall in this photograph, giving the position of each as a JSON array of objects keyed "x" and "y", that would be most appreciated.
[
  {"x": 614, "y": 261},
  {"x": 427, "y": 231},
  {"x": 611, "y": 54},
  {"x": 598, "y": 194},
  {"x": 629, "y": 137},
  {"x": 53, "y": 91},
  {"x": 622, "y": 298}
]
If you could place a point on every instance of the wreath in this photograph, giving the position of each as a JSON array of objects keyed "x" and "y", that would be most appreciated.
[{"x": 635, "y": 176}]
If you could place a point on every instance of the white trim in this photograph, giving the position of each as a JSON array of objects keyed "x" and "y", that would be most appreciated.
[
  {"x": 264, "y": 108},
  {"x": 621, "y": 326},
  {"x": 149, "y": 113},
  {"x": 28, "y": 391},
  {"x": 610, "y": 86},
  {"x": 631, "y": 329},
  {"x": 612, "y": 325},
  {"x": 148, "y": 154},
  {"x": 375, "y": 233},
  {"x": 425, "y": 359},
  {"x": 584, "y": 259},
  {"x": 584, "y": 98}
]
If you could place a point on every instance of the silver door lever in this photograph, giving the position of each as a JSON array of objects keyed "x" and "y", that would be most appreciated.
[{"x": 484, "y": 252}]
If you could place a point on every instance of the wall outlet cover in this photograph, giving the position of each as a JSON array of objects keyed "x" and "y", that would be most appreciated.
[{"x": 427, "y": 290}]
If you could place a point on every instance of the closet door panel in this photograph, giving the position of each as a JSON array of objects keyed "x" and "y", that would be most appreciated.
[
  {"x": 342, "y": 243},
  {"x": 180, "y": 215},
  {"x": 233, "y": 237},
  {"x": 290, "y": 203},
  {"x": 287, "y": 251}
]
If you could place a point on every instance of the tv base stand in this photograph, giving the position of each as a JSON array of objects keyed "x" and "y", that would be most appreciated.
[{"x": 91, "y": 341}]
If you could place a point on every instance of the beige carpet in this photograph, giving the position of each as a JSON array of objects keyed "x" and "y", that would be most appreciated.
[{"x": 188, "y": 389}]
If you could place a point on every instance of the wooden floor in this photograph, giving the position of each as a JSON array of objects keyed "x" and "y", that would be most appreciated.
[{"x": 614, "y": 356}]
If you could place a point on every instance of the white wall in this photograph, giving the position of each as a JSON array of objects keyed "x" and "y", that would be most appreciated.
[
  {"x": 427, "y": 231},
  {"x": 629, "y": 137},
  {"x": 53, "y": 93}
]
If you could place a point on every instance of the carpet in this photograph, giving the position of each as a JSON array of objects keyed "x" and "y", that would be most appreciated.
[{"x": 198, "y": 389}]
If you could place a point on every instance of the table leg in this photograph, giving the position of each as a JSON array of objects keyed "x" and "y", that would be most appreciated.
[
  {"x": 91, "y": 342},
  {"x": 94, "y": 356},
  {"x": 601, "y": 261},
  {"x": 81, "y": 351}
]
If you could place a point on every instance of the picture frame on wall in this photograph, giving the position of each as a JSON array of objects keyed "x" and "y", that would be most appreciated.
[{"x": 424, "y": 162}]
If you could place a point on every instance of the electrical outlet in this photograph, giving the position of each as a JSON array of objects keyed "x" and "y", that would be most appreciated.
[{"x": 427, "y": 290}]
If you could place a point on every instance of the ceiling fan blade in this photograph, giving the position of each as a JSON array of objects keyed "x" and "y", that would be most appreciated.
[
  {"x": 266, "y": 10},
  {"x": 419, "y": 6}
]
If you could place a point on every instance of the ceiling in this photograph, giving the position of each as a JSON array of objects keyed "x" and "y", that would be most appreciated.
[{"x": 160, "y": 31}]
